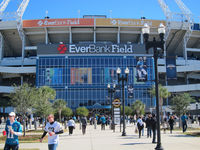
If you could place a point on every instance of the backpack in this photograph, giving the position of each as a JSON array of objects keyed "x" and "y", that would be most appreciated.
[{"x": 140, "y": 126}]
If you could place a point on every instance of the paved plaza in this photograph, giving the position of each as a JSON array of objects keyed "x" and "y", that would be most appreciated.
[{"x": 107, "y": 140}]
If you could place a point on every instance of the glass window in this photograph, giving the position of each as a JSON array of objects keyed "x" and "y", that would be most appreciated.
[
  {"x": 72, "y": 61},
  {"x": 98, "y": 62},
  {"x": 89, "y": 61}
]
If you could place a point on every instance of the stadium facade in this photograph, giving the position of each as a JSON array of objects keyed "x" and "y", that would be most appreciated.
[{"x": 78, "y": 57}]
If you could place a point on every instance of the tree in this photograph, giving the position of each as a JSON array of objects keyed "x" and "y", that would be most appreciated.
[
  {"x": 67, "y": 112},
  {"x": 59, "y": 105},
  {"x": 82, "y": 111},
  {"x": 180, "y": 104},
  {"x": 163, "y": 93},
  {"x": 23, "y": 100},
  {"x": 128, "y": 110},
  {"x": 43, "y": 106},
  {"x": 138, "y": 107}
]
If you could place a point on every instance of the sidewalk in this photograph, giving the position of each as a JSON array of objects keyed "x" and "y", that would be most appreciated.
[{"x": 107, "y": 140}]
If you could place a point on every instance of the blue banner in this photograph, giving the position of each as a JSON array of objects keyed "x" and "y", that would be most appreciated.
[{"x": 171, "y": 67}]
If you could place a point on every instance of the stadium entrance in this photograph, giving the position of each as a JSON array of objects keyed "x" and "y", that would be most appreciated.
[{"x": 80, "y": 73}]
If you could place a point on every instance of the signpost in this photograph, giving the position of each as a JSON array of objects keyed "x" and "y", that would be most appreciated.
[{"x": 116, "y": 103}]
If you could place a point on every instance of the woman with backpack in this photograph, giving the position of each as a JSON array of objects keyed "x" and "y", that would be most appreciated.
[{"x": 140, "y": 125}]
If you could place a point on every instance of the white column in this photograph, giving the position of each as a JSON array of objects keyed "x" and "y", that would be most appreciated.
[
  {"x": 22, "y": 79},
  {"x": 185, "y": 49},
  {"x": 70, "y": 35},
  {"x": 141, "y": 38},
  {"x": 118, "y": 36},
  {"x": 1, "y": 46},
  {"x": 94, "y": 30},
  {"x": 94, "y": 35},
  {"x": 46, "y": 36},
  {"x": 23, "y": 47}
]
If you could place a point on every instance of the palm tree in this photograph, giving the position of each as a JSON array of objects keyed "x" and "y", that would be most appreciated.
[
  {"x": 163, "y": 93},
  {"x": 82, "y": 111},
  {"x": 60, "y": 104},
  {"x": 138, "y": 107}
]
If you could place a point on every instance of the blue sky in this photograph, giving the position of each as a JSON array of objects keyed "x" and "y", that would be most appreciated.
[{"x": 120, "y": 8}]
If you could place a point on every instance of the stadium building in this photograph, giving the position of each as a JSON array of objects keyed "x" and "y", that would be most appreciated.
[{"x": 78, "y": 57}]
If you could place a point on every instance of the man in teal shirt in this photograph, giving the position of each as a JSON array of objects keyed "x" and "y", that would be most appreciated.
[
  {"x": 13, "y": 130},
  {"x": 103, "y": 122},
  {"x": 184, "y": 119}
]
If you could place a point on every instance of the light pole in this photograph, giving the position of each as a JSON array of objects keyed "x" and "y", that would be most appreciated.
[
  {"x": 197, "y": 107},
  {"x": 111, "y": 91},
  {"x": 155, "y": 45},
  {"x": 123, "y": 78}
]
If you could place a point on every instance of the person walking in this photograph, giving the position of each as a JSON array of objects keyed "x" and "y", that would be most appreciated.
[
  {"x": 53, "y": 128},
  {"x": 143, "y": 119},
  {"x": 95, "y": 123},
  {"x": 84, "y": 124},
  {"x": 164, "y": 125},
  {"x": 71, "y": 126},
  {"x": 103, "y": 122},
  {"x": 153, "y": 126},
  {"x": 140, "y": 125},
  {"x": 171, "y": 123},
  {"x": 148, "y": 125},
  {"x": 13, "y": 130},
  {"x": 184, "y": 119},
  {"x": 199, "y": 119}
]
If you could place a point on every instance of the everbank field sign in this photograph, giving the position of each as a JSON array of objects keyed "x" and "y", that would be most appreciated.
[
  {"x": 90, "y": 49},
  {"x": 57, "y": 22},
  {"x": 128, "y": 22}
]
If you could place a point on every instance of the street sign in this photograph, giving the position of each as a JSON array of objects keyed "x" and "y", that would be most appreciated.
[
  {"x": 117, "y": 115},
  {"x": 116, "y": 103}
]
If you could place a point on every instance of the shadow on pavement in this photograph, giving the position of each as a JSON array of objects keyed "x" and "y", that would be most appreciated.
[
  {"x": 182, "y": 135},
  {"x": 135, "y": 143},
  {"x": 129, "y": 137}
]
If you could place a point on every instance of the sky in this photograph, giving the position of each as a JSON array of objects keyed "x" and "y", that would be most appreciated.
[{"x": 111, "y": 8}]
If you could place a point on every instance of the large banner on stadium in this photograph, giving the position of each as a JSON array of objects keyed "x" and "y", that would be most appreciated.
[
  {"x": 81, "y": 75},
  {"x": 127, "y": 22},
  {"x": 90, "y": 49},
  {"x": 58, "y": 22},
  {"x": 171, "y": 67},
  {"x": 53, "y": 76}
]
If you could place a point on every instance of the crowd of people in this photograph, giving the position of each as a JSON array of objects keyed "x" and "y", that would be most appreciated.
[{"x": 53, "y": 128}]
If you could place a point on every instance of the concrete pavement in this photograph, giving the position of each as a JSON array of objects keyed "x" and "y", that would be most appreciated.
[{"x": 107, "y": 140}]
